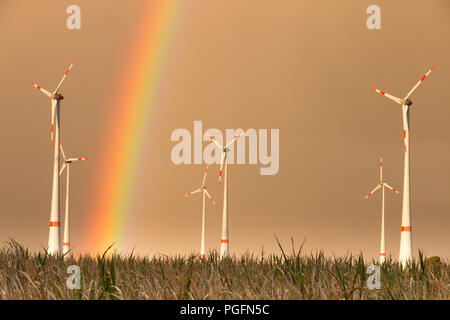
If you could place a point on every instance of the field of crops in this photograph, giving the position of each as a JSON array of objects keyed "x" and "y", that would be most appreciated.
[{"x": 293, "y": 275}]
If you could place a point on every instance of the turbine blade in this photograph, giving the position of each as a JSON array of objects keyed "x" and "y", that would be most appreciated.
[
  {"x": 62, "y": 151},
  {"x": 389, "y": 187},
  {"x": 191, "y": 193},
  {"x": 54, "y": 104},
  {"x": 64, "y": 77},
  {"x": 76, "y": 159},
  {"x": 210, "y": 198},
  {"x": 398, "y": 100},
  {"x": 42, "y": 90},
  {"x": 224, "y": 154},
  {"x": 62, "y": 168},
  {"x": 373, "y": 191},
  {"x": 204, "y": 175},
  {"x": 235, "y": 138},
  {"x": 419, "y": 83},
  {"x": 213, "y": 140},
  {"x": 381, "y": 168}
]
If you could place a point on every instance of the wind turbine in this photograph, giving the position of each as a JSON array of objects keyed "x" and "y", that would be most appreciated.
[
  {"x": 54, "y": 244},
  {"x": 224, "y": 242},
  {"x": 406, "y": 252},
  {"x": 205, "y": 193},
  {"x": 382, "y": 184},
  {"x": 67, "y": 162}
]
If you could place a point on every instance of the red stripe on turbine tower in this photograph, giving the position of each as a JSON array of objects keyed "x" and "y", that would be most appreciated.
[
  {"x": 224, "y": 241},
  {"x": 54, "y": 223},
  {"x": 406, "y": 229}
]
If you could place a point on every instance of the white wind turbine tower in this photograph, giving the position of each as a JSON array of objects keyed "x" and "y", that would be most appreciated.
[
  {"x": 67, "y": 162},
  {"x": 406, "y": 252},
  {"x": 205, "y": 193},
  {"x": 54, "y": 244},
  {"x": 224, "y": 241},
  {"x": 382, "y": 184}
]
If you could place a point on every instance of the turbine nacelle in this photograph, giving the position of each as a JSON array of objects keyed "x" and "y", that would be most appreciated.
[{"x": 406, "y": 102}]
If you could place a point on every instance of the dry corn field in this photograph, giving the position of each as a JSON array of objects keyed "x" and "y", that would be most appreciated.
[{"x": 26, "y": 275}]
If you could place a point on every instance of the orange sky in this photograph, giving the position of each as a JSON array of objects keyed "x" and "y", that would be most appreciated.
[{"x": 304, "y": 67}]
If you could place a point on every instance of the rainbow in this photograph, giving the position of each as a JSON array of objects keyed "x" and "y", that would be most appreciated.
[{"x": 112, "y": 186}]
